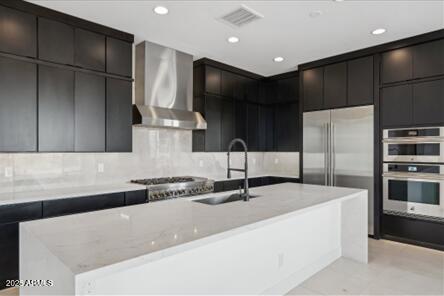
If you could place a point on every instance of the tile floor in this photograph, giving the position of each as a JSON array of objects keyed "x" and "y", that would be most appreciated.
[{"x": 393, "y": 269}]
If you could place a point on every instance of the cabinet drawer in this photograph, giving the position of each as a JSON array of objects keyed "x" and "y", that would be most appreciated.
[
  {"x": 136, "y": 197},
  {"x": 233, "y": 185},
  {"x": 68, "y": 206},
  {"x": 20, "y": 212}
]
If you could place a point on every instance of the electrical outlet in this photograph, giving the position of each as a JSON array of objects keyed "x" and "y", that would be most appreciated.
[
  {"x": 101, "y": 167},
  {"x": 254, "y": 160},
  {"x": 280, "y": 260},
  {"x": 276, "y": 160},
  {"x": 201, "y": 163},
  {"x": 8, "y": 172}
]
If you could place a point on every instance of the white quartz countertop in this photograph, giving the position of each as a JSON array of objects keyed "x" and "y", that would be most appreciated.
[
  {"x": 48, "y": 194},
  {"x": 9, "y": 198},
  {"x": 122, "y": 237}
]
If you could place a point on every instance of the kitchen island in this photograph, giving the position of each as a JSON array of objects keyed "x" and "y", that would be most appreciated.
[{"x": 267, "y": 245}]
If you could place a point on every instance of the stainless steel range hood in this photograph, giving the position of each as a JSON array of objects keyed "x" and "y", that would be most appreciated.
[{"x": 164, "y": 89}]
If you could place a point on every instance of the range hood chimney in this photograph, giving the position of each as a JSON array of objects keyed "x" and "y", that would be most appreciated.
[{"x": 164, "y": 89}]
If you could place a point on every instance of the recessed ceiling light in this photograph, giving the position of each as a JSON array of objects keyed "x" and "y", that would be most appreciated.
[
  {"x": 278, "y": 59},
  {"x": 315, "y": 13},
  {"x": 161, "y": 10},
  {"x": 379, "y": 31},
  {"x": 338, "y": 0},
  {"x": 233, "y": 39}
]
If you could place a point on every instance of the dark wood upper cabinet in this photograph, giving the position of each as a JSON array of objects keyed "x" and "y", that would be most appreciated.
[
  {"x": 240, "y": 113},
  {"x": 428, "y": 103},
  {"x": 397, "y": 65},
  {"x": 428, "y": 59},
  {"x": 18, "y": 106},
  {"x": 56, "y": 110},
  {"x": 89, "y": 50},
  {"x": 360, "y": 81},
  {"x": 18, "y": 32},
  {"x": 89, "y": 101},
  {"x": 119, "y": 57},
  {"x": 288, "y": 90},
  {"x": 397, "y": 106},
  {"x": 266, "y": 128},
  {"x": 228, "y": 84},
  {"x": 286, "y": 127},
  {"x": 313, "y": 89},
  {"x": 227, "y": 122},
  {"x": 335, "y": 85},
  {"x": 213, "y": 116},
  {"x": 56, "y": 42},
  {"x": 212, "y": 80},
  {"x": 119, "y": 136},
  {"x": 251, "y": 90},
  {"x": 253, "y": 126}
]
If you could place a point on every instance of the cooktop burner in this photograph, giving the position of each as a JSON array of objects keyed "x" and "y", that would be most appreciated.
[{"x": 166, "y": 180}]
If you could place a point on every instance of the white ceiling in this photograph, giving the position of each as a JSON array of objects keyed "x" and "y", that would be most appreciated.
[{"x": 286, "y": 30}]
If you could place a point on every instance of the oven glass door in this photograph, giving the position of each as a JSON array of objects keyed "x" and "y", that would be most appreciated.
[
  {"x": 414, "y": 191},
  {"x": 420, "y": 152}
]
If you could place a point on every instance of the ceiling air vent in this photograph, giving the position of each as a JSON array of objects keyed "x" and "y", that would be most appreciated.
[{"x": 241, "y": 16}]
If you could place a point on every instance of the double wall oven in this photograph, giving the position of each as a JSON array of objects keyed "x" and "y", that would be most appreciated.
[{"x": 413, "y": 172}]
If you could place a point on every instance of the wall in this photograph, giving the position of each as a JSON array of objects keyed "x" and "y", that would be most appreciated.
[{"x": 156, "y": 153}]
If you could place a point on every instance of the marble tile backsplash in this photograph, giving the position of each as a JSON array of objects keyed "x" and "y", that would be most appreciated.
[{"x": 156, "y": 153}]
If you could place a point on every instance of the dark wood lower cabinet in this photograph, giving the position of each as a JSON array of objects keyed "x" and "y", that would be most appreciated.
[
  {"x": 235, "y": 184},
  {"x": 9, "y": 253},
  {"x": 136, "y": 197},
  {"x": 60, "y": 207}
]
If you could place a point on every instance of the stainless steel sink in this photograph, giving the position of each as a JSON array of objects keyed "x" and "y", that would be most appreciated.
[{"x": 217, "y": 200}]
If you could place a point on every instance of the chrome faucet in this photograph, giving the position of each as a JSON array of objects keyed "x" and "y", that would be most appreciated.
[{"x": 246, "y": 194}]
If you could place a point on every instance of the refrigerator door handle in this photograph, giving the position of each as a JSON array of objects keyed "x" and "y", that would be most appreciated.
[
  {"x": 332, "y": 155},
  {"x": 326, "y": 154}
]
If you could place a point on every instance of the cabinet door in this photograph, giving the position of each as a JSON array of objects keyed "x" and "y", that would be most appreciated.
[
  {"x": 61, "y": 207},
  {"x": 18, "y": 34},
  {"x": 18, "y": 106},
  {"x": 252, "y": 90},
  {"x": 428, "y": 59},
  {"x": 212, "y": 80},
  {"x": 266, "y": 128},
  {"x": 119, "y": 57},
  {"x": 360, "y": 82},
  {"x": 253, "y": 126},
  {"x": 240, "y": 113},
  {"x": 119, "y": 133},
  {"x": 396, "y": 105},
  {"x": 286, "y": 127},
  {"x": 56, "y": 110},
  {"x": 288, "y": 90},
  {"x": 56, "y": 42},
  {"x": 89, "y": 50},
  {"x": 213, "y": 107},
  {"x": 228, "y": 84},
  {"x": 335, "y": 86},
  {"x": 428, "y": 102},
  {"x": 89, "y": 113},
  {"x": 136, "y": 197},
  {"x": 313, "y": 89},
  {"x": 397, "y": 65},
  {"x": 9, "y": 250},
  {"x": 227, "y": 123}
]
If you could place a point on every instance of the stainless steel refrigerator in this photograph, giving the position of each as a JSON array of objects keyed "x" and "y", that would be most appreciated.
[{"x": 338, "y": 150}]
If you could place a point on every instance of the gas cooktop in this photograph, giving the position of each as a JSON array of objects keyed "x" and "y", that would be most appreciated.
[{"x": 174, "y": 187}]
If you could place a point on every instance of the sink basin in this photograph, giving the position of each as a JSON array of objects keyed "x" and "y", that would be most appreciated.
[{"x": 217, "y": 200}]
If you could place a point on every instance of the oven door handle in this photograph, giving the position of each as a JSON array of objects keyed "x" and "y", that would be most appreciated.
[
  {"x": 418, "y": 140},
  {"x": 412, "y": 177}
]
